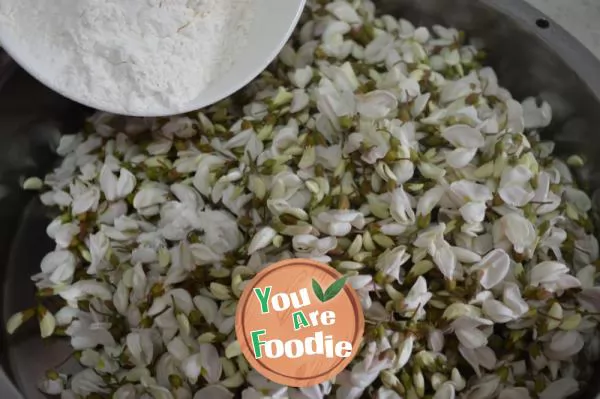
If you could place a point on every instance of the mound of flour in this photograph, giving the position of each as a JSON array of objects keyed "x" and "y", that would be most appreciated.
[{"x": 135, "y": 54}]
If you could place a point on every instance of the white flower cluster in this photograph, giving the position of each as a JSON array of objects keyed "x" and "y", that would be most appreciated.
[{"x": 383, "y": 149}]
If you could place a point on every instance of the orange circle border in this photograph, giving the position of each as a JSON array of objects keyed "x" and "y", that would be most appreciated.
[{"x": 273, "y": 375}]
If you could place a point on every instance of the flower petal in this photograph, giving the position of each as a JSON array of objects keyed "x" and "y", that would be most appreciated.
[
  {"x": 560, "y": 389},
  {"x": 400, "y": 207},
  {"x": 376, "y": 104},
  {"x": 519, "y": 231},
  {"x": 473, "y": 212},
  {"x": 429, "y": 200},
  {"x": 547, "y": 272},
  {"x": 516, "y": 196},
  {"x": 460, "y": 157},
  {"x": 463, "y": 136},
  {"x": 497, "y": 311},
  {"x": 514, "y": 300},
  {"x": 261, "y": 239},
  {"x": 108, "y": 183},
  {"x": 494, "y": 267},
  {"x": 125, "y": 184}
]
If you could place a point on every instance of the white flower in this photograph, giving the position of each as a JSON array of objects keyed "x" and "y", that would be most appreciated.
[
  {"x": 339, "y": 222},
  {"x": 192, "y": 367},
  {"x": 376, "y": 104},
  {"x": 454, "y": 90},
  {"x": 62, "y": 234},
  {"x": 553, "y": 276},
  {"x": 343, "y": 11},
  {"x": 512, "y": 298},
  {"x": 126, "y": 391},
  {"x": 466, "y": 191},
  {"x": 445, "y": 391},
  {"x": 114, "y": 188},
  {"x": 52, "y": 383},
  {"x": 589, "y": 299},
  {"x": 553, "y": 241},
  {"x": 221, "y": 232},
  {"x": 404, "y": 352},
  {"x": 88, "y": 381},
  {"x": 113, "y": 212},
  {"x": 47, "y": 323},
  {"x": 300, "y": 101},
  {"x": 534, "y": 116},
  {"x": 99, "y": 247},
  {"x": 429, "y": 200},
  {"x": 59, "y": 266},
  {"x": 473, "y": 212},
  {"x": 353, "y": 383},
  {"x": 56, "y": 197},
  {"x": 210, "y": 362},
  {"x": 514, "y": 188},
  {"x": 578, "y": 199},
  {"x": 377, "y": 50},
  {"x": 68, "y": 143},
  {"x": 560, "y": 389},
  {"x": 400, "y": 207},
  {"x": 514, "y": 393},
  {"x": 432, "y": 239},
  {"x": 141, "y": 347},
  {"x": 417, "y": 298},
  {"x": 16, "y": 320},
  {"x": 363, "y": 284},
  {"x": 492, "y": 268},
  {"x": 302, "y": 76},
  {"x": 485, "y": 387},
  {"x": 497, "y": 311},
  {"x": 564, "y": 345},
  {"x": 266, "y": 387},
  {"x": 466, "y": 140},
  {"x": 261, "y": 239},
  {"x": 86, "y": 288},
  {"x": 90, "y": 144},
  {"x": 435, "y": 340},
  {"x": 444, "y": 259},
  {"x": 178, "y": 218},
  {"x": 149, "y": 196},
  {"x": 517, "y": 230},
  {"x": 334, "y": 103},
  {"x": 468, "y": 333},
  {"x": 391, "y": 261},
  {"x": 464, "y": 255},
  {"x": 306, "y": 245},
  {"x": 85, "y": 201},
  {"x": 386, "y": 393},
  {"x": 479, "y": 357},
  {"x": 213, "y": 391},
  {"x": 514, "y": 121}
]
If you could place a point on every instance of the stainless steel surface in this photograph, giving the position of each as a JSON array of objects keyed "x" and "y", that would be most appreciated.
[
  {"x": 529, "y": 60},
  {"x": 30, "y": 119}
]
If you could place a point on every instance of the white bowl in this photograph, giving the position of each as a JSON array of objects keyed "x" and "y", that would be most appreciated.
[{"x": 273, "y": 23}]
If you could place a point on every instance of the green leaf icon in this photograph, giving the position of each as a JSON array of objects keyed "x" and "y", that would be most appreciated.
[
  {"x": 318, "y": 290},
  {"x": 334, "y": 289},
  {"x": 331, "y": 292}
]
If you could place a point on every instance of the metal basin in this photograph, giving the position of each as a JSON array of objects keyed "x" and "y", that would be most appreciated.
[{"x": 530, "y": 54}]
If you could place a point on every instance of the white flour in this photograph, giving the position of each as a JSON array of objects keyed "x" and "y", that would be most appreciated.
[{"x": 137, "y": 54}]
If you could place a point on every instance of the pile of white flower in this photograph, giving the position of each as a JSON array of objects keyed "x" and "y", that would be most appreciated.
[{"x": 385, "y": 150}]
